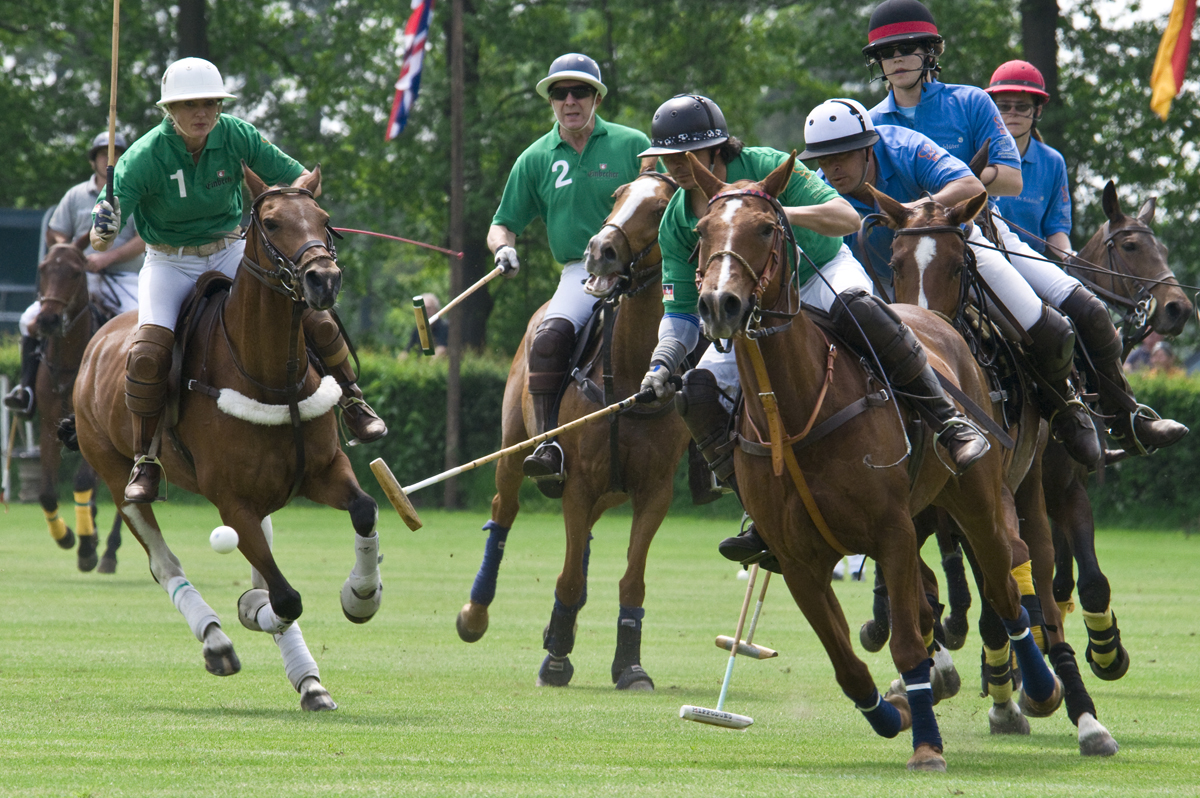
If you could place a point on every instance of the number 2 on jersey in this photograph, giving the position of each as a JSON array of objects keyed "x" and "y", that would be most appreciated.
[
  {"x": 183, "y": 189},
  {"x": 562, "y": 180}
]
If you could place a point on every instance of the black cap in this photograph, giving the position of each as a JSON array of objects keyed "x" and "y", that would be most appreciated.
[{"x": 685, "y": 123}]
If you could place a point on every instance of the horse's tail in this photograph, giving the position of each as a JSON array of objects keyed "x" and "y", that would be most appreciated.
[{"x": 68, "y": 434}]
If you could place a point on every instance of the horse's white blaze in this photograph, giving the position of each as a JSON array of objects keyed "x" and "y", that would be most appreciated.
[
  {"x": 926, "y": 250},
  {"x": 639, "y": 191},
  {"x": 731, "y": 207}
]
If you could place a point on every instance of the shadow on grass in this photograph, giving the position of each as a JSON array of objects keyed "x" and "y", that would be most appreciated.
[{"x": 339, "y": 717}]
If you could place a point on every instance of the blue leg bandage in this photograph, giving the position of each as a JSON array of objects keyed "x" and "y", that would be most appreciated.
[
  {"x": 883, "y": 717},
  {"x": 920, "y": 703},
  {"x": 484, "y": 589},
  {"x": 1038, "y": 681}
]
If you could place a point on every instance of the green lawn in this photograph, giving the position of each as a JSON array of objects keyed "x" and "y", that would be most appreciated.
[{"x": 103, "y": 691}]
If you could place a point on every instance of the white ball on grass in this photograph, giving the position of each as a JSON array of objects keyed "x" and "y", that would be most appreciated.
[{"x": 223, "y": 539}]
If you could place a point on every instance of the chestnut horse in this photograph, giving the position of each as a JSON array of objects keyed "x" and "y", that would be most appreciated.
[
  {"x": 849, "y": 492},
  {"x": 65, "y": 323},
  {"x": 626, "y": 265},
  {"x": 928, "y": 258},
  {"x": 245, "y": 352}
]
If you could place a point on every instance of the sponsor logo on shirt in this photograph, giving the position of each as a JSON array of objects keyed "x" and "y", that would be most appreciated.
[
  {"x": 222, "y": 178},
  {"x": 604, "y": 172},
  {"x": 668, "y": 292}
]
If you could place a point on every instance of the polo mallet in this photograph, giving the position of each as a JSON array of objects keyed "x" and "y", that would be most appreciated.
[
  {"x": 112, "y": 103},
  {"x": 7, "y": 478},
  {"x": 718, "y": 716},
  {"x": 399, "y": 496},
  {"x": 746, "y": 647},
  {"x": 424, "y": 321}
]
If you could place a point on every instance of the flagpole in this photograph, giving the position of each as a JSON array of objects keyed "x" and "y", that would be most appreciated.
[{"x": 457, "y": 238}]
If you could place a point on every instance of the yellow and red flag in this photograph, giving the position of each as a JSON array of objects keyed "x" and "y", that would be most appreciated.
[{"x": 1167, "y": 77}]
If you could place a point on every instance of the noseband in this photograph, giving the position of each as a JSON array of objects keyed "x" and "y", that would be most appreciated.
[
  {"x": 66, "y": 326},
  {"x": 288, "y": 273},
  {"x": 638, "y": 257}
]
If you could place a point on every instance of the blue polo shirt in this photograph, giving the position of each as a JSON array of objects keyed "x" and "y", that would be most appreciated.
[
  {"x": 907, "y": 164},
  {"x": 1044, "y": 205},
  {"x": 959, "y": 118}
]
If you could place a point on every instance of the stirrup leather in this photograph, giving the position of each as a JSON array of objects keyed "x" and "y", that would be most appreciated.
[{"x": 145, "y": 459}]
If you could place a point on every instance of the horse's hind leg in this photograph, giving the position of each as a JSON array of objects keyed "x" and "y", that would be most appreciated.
[
  {"x": 1094, "y": 739},
  {"x": 108, "y": 561},
  {"x": 51, "y": 458},
  {"x": 84, "y": 488},
  {"x": 219, "y": 657},
  {"x": 958, "y": 591}
]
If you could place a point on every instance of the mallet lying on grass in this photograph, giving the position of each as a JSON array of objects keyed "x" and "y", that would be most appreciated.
[
  {"x": 399, "y": 496},
  {"x": 425, "y": 321}
]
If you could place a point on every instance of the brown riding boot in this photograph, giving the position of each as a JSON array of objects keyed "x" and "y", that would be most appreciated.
[
  {"x": 1137, "y": 427},
  {"x": 323, "y": 335},
  {"x": 1052, "y": 353},
  {"x": 22, "y": 399},
  {"x": 549, "y": 356},
  {"x": 147, "y": 367}
]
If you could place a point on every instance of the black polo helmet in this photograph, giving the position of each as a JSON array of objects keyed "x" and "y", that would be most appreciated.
[
  {"x": 899, "y": 21},
  {"x": 685, "y": 123},
  {"x": 100, "y": 142}
]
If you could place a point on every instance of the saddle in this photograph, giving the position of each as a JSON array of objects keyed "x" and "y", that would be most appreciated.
[{"x": 210, "y": 285}]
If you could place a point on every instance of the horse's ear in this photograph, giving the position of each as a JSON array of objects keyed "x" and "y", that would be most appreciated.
[
  {"x": 777, "y": 181},
  {"x": 979, "y": 161},
  {"x": 310, "y": 181},
  {"x": 1146, "y": 214},
  {"x": 968, "y": 209},
  {"x": 254, "y": 183},
  {"x": 1111, "y": 202},
  {"x": 705, "y": 180},
  {"x": 81, "y": 243},
  {"x": 895, "y": 212}
]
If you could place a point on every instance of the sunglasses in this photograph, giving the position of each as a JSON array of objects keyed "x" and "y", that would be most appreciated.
[
  {"x": 897, "y": 50},
  {"x": 1011, "y": 107},
  {"x": 561, "y": 93}
]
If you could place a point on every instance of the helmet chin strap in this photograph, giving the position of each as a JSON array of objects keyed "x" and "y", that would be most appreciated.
[{"x": 866, "y": 168}]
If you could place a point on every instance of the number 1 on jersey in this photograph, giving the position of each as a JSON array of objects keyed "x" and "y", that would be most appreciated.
[{"x": 182, "y": 188}]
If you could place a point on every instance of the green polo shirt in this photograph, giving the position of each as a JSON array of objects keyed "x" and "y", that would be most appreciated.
[
  {"x": 571, "y": 191},
  {"x": 181, "y": 203},
  {"x": 677, "y": 231}
]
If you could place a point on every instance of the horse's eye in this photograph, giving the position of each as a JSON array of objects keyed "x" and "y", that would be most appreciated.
[
  {"x": 1129, "y": 246},
  {"x": 271, "y": 225}
]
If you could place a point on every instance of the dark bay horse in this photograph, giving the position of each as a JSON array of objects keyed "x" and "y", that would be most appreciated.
[
  {"x": 232, "y": 441},
  {"x": 626, "y": 265},
  {"x": 850, "y": 492},
  {"x": 928, "y": 258},
  {"x": 65, "y": 323}
]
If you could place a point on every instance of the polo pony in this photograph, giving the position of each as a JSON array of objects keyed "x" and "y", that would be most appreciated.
[
  {"x": 849, "y": 492},
  {"x": 255, "y": 426}
]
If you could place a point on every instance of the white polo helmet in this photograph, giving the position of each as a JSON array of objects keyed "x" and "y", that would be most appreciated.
[
  {"x": 192, "y": 79},
  {"x": 572, "y": 66},
  {"x": 837, "y": 126}
]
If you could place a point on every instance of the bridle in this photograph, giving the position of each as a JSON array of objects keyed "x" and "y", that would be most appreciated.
[
  {"x": 629, "y": 278},
  {"x": 66, "y": 326},
  {"x": 287, "y": 276}
]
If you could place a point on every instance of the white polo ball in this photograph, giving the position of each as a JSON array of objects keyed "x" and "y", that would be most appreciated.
[{"x": 223, "y": 539}]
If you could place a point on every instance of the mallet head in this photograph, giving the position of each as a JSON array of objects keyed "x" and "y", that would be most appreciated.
[
  {"x": 422, "y": 325},
  {"x": 396, "y": 494},
  {"x": 714, "y": 717}
]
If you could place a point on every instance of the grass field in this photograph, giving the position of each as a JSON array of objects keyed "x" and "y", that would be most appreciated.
[{"x": 103, "y": 691}]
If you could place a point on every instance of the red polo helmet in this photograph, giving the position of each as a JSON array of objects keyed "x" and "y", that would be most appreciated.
[{"x": 1014, "y": 76}]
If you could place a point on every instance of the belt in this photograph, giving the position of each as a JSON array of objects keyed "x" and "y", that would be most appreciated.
[{"x": 203, "y": 250}]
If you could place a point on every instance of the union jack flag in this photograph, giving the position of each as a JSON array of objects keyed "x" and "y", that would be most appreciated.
[{"x": 416, "y": 33}]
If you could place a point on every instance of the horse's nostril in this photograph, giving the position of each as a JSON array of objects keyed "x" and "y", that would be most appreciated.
[
  {"x": 731, "y": 306},
  {"x": 610, "y": 253}
]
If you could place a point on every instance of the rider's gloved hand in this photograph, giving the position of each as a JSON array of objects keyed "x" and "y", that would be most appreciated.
[
  {"x": 506, "y": 259},
  {"x": 106, "y": 220},
  {"x": 658, "y": 379}
]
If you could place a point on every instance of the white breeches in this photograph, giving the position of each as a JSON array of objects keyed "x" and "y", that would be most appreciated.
[
  {"x": 1048, "y": 281},
  {"x": 570, "y": 301},
  {"x": 165, "y": 281},
  {"x": 1002, "y": 277},
  {"x": 119, "y": 290},
  {"x": 25, "y": 323}
]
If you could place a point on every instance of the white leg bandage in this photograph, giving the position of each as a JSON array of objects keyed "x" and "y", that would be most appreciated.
[
  {"x": 298, "y": 663},
  {"x": 269, "y": 622},
  {"x": 365, "y": 575},
  {"x": 188, "y": 601}
]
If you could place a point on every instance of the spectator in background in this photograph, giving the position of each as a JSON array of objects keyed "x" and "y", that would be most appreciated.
[
  {"x": 439, "y": 331},
  {"x": 1139, "y": 358},
  {"x": 1163, "y": 361}
]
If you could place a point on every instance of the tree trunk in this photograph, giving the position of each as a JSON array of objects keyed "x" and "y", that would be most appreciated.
[
  {"x": 192, "y": 29},
  {"x": 457, "y": 230},
  {"x": 1039, "y": 28}
]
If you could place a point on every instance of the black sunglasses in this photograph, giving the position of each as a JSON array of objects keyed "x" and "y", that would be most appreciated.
[
  {"x": 896, "y": 50},
  {"x": 1006, "y": 107},
  {"x": 561, "y": 93}
]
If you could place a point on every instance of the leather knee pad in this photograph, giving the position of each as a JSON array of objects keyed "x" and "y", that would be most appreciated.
[
  {"x": 1053, "y": 347},
  {"x": 322, "y": 334},
  {"x": 899, "y": 352},
  {"x": 550, "y": 354},
  {"x": 698, "y": 402},
  {"x": 1093, "y": 325},
  {"x": 147, "y": 367}
]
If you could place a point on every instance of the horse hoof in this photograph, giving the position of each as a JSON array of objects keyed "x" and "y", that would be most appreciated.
[
  {"x": 927, "y": 759},
  {"x": 873, "y": 636},
  {"x": 86, "y": 554},
  {"x": 957, "y": 627},
  {"x": 900, "y": 702},
  {"x": 945, "y": 679},
  {"x": 220, "y": 658},
  {"x": 67, "y": 541},
  {"x": 108, "y": 564},
  {"x": 1006, "y": 718},
  {"x": 555, "y": 672},
  {"x": 472, "y": 622},
  {"x": 359, "y": 607},
  {"x": 249, "y": 603},
  {"x": 1042, "y": 709},
  {"x": 1094, "y": 739},
  {"x": 315, "y": 698},
  {"x": 1118, "y": 668},
  {"x": 634, "y": 678}
]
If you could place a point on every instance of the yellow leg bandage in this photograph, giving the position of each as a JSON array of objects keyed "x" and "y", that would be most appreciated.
[
  {"x": 1066, "y": 607},
  {"x": 83, "y": 512},
  {"x": 1023, "y": 573},
  {"x": 1097, "y": 624},
  {"x": 998, "y": 662},
  {"x": 58, "y": 527},
  {"x": 929, "y": 640}
]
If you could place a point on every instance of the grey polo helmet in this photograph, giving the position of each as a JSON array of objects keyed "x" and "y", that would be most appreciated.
[
  {"x": 100, "y": 142},
  {"x": 685, "y": 123},
  {"x": 572, "y": 66},
  {"x": 836, "y": 126}
]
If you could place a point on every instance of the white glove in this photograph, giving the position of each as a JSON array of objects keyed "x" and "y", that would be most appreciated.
[
  {"x": 657, "y": 379},
  {"x": 506, "y": 259},
  {"x": 106, "y": 220}
]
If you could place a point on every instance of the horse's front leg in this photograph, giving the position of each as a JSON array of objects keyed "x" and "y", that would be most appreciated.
[
  {"x": 570, "y": 590},
  {"x": 84, "y": 488},
  {"x": 337, "y": 487},
  {"x": 50, "y": 459}
]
